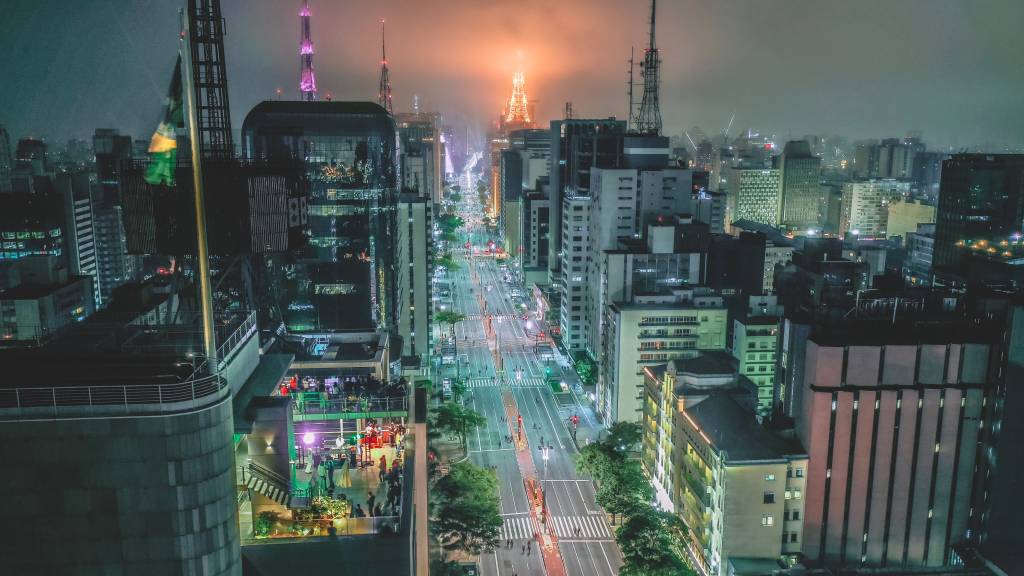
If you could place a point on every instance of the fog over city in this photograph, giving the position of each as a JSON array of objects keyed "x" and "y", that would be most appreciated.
[{"x": 950, "y": 69}]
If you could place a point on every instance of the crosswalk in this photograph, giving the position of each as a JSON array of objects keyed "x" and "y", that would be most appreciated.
[
  {"x": 589, "y": 527},
  {"x": 494, "y": 316},
  {"x": 516, "y": 528},
  {"x": 489, "y": 381}
]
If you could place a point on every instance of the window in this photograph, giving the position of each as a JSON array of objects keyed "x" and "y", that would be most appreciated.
[
  {"x": 769, "y": 477},
  {"x": 796, "y": 494},
  {"x": 767, "y": 520},
  {"x": 788, "y": 495},
  {"x": 769, "y": 497},
  {"x": 792, "y": 536},
  {"x": 796, "y": 515},
  {"x": 799, "y": 472}
]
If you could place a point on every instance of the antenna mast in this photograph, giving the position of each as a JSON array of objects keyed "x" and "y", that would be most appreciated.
[
  {"x": 384, "y": 91},
  {"x": 648, "y": 118},
  {"x": 307, "y": 78}
]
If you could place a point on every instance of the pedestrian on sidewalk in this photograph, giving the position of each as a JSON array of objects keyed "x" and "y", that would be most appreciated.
[
  {"x": 529, "y": 547},
  {"x": 370, "y": 499},
  {"x": 523, "y": 551},
  {"x": 577, "y": 530}
]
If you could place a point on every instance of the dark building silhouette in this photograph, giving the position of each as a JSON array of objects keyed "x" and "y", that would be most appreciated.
[{"x": 342, "y": 277}]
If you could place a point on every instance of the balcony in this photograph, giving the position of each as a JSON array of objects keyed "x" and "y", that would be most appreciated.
[{"x": 318, "y": 406}]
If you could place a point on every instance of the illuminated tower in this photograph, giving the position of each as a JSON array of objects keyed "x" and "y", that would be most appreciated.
[
  {"x": 384, "y": 92},
  {"x": 307, "y": 80},
  {"x": 518, "y": 111},
  {"x": 648, "y": 117}
]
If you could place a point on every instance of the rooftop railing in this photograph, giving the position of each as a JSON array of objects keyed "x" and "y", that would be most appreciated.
[
  {"x": 130, "y": 399},
  {"x": 314, "y": 403}
]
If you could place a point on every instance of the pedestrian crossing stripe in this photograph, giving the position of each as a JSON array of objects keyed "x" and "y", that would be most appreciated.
[
  {"x": 489, "y": 381},
  {"x": 516, "y": 528},
  {"x": 589, "y": 526}
]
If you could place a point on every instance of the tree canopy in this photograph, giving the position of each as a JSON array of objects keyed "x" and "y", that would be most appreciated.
[
  {"x": 626, "y": 491},
  {"x": 466, "y": 514},
  {"x": 653, "y": 542},
  {"x": 449, "y": 222},
  {"x": 449, "y": 317},
  {"x": 458, "y": 419}
]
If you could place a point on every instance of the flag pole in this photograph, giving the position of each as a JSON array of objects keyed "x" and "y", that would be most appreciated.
[{"x": 202, "y": 250}]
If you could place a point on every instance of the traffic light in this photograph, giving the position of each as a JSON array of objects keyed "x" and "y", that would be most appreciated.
[
  {"x": 547, "y": 370},
  {"x": 575, "y": 420}
]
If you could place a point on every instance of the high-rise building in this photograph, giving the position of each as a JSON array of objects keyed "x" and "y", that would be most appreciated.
[
  {"x": 981, "y": 205},
  {"x": 754, "y": 194},
  {"x": 917, "y": 265},
  {"x": 865, "y": 207},
  {"x": 421, "y": 168},
  {"x": 42, "y": 299},
  {"x": 737, "y": 485},
  {"x": 75, "y": 189},
  {"x": 799, "y": 173},
  {"x": 343, "y": 277},
  {"x": 114, "y": 266},
  {"x": 652, "y": 329},
  {"x": 414, "y": 267},
  {"x": 894, "y": 405},
  {"x": 524, "y": 162},
  {"x": 753, "y": 346},
  {"x": 577, "y": 145},
  {"x": 536, "y": 236}
]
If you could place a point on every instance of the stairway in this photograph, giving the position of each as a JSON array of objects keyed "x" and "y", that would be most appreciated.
[{"x": 274, "y": 486}]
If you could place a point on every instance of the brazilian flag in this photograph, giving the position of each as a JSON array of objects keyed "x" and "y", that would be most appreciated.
[{"x": 163, "y": 148}]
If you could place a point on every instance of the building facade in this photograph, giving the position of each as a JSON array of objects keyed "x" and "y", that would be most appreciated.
[
  {"x": 799, "y": 175},
  {"x": 343, "y": 277},
  {"x": 865, "y": 207},
  {"x": 653, "y": 330},
  {"x": 414, "y": 266},
  {"x": 754, "y": 194}
]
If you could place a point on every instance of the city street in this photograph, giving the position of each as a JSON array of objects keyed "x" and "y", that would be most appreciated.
[{"x": 497, "y": 351}]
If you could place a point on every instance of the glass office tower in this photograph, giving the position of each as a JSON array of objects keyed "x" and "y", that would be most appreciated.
[{"x": 338, "y": 274}]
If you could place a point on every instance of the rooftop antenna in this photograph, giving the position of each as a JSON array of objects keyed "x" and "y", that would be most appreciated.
[
  {"x": 384, "y": 92},
  {"x": 307, "y": 78},
  {"x": 648, "y": 118},
  {"x": 629, "y": 89}
]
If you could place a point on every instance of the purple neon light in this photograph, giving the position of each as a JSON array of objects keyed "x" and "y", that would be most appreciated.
[{"x": 307, "y": 47}]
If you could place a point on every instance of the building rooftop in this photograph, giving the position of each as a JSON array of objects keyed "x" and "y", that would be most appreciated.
[
  {"x": 735, "y": 433},
  {"x": 36, "y": 291}
]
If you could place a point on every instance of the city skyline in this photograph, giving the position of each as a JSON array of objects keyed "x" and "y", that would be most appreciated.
[{"x": 777, "y": 68}]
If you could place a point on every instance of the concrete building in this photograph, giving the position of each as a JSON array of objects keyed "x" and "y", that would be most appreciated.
[
  {"x": 753, "y": 345},
  {"x": 128, "y": 442},
  {"x": 799, "y": 175},
  {"x": 114, "y": 266},
  {"x": 42, "y": 300},
  {"x": 865, "y": 208},
  {"x": 905, "y": 216},
  {"x": 420, "y": 156},
  {"x": 522, "y": 164},
  {"x": 577, "y": 145},
  {"x": 754, "y": 194},
  {"x": 893, "y": 406},
  {"x": 917, "y": 264},
  {"x": 414, "y": 257},
  {"x": 75, "y": 190},
  {"x": 6, "y": 161},
  {"x": 536, "y": 237},
  {"x": 575, "y": 271},
  {"x": 649, "y": 330},
  {"x": 738, "y": 486},
  {"x": 778, "y": 249}
]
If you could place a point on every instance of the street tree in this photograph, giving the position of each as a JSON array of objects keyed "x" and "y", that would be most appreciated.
[
  {"x": 458, "y": 389},
  {"x": 625, "y": 491},
  {"x": 447, "y": 261},
  {"x": 598, "y": 461},
  {"x": 586, "y": 371},
  {"x": 458, "y": 420},
  {"x": 624, "y": 436},
  {"x": 455, "y": 197},
  {"x": 653, "y": 543},
  {"x": 449, "y": 222},
  {"x": 465, "y": 509}
]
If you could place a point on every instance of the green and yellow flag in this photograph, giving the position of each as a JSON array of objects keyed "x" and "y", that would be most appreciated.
[{"x": 163, "y": 148}]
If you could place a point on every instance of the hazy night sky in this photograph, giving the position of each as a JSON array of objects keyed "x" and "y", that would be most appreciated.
[{"x": 953, "y": 69}]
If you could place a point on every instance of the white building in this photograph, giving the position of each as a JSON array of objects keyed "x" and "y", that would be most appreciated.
[
  {"x": 755, "y": 194},
  {"x": 650, "y": 330},
  {"x": 414, "y": 270},
  {"x": 865, "y": 206}
]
